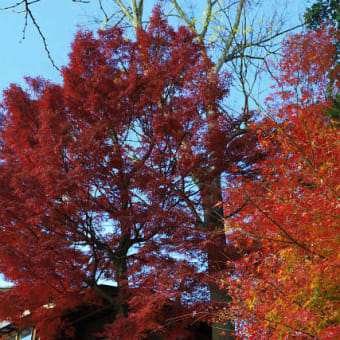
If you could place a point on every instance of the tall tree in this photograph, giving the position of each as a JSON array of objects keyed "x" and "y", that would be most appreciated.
[
  {"x": 113, "y": 174},
  {"x": 287, "y": 288},
  {"x": 238, "y": 40},
  {"x": 233, "y": 35}
]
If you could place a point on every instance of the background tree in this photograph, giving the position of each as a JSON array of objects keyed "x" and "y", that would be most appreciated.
[
  {"x": 323, "y": 12},
  {"x": 288, "y": 287},
  {"x": 327, "y": 13}
]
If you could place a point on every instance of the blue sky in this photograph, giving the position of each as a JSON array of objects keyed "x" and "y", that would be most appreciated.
[{"x": 59, "y": 20}]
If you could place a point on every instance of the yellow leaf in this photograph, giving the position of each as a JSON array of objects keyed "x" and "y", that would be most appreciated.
[
  {"x": 226, "y": 228},
  {"x": 306, "y": 304}
]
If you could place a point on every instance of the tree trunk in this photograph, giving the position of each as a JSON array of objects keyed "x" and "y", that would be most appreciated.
[
  {"x": 121, "y": 275},
  {"x": 221, "y": 331},
  {"x": 213, "y": 221}
]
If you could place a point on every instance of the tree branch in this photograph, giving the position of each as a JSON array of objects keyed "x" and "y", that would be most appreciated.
[
  {"x": 126, "y": 11},
  {"x": 227, "y": 46},
  {"x": 189, "y": 23},
  {"x": 283, "y": 230},
  {"x": 207, "y": 20},
  {"x": 29, "y": 13}
]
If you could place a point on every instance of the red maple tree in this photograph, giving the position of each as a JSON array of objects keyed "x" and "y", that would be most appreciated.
[
  {"x": 288, "y": 287},
  {"x": 115, "y": 175}
]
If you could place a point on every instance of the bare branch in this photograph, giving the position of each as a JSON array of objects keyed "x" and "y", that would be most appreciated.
[
  {"x": 29, "y": 13},
  {"x": 18, "y": 4},
  {"x": 137, "y": 11},
  {"x": 189, "y": 23},
  {"x": 13, "y": 6},
  {"x": 103, "y": 10},
  {"x": 207, "y": 19},
  {"x": 126, "y": 11},
  {"x": 224, "y": 54}
]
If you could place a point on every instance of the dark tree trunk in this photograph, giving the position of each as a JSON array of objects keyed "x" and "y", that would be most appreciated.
[{"x": 213, "y": 222}]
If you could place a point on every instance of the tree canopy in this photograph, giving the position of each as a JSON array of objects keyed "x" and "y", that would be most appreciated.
[
  {"x": 287, "y": 288},
  {"x": 134, "y": 170},
  {"x": 109, "y": 176}
]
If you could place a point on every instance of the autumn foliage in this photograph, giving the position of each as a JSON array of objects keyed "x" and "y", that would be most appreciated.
[
  {"x": 115, "y": 176},
  {"x": 288, "y": 289},
  {"x": 108, "y": 176}
]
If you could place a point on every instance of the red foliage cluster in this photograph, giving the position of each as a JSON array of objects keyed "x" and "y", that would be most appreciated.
[
  {"x": 288, "y": 287},
  {"x": 105, "y": 177}
]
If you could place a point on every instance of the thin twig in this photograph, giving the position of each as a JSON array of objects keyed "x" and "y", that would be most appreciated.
[{"x": 29, "y": 13}]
